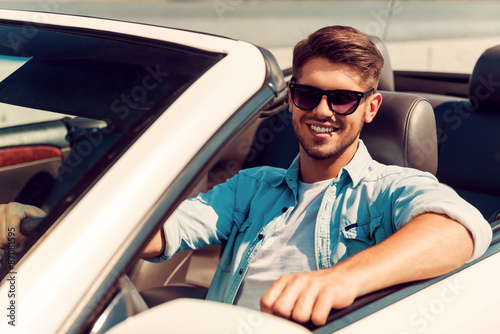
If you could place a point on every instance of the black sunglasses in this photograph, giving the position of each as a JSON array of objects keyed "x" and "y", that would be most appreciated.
[{"x": 342, "y": 102}]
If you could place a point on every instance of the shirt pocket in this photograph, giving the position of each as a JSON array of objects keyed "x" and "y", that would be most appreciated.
[{"x": 363, "y": 234}]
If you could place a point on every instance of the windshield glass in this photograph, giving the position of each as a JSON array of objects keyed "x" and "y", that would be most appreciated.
[
  {"x": 432, "y": 35},
  {"x": 71, "y": 102},
  {"x": 93, "y": 77}
]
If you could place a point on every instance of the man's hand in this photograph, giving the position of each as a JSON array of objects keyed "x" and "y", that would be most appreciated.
[
  {"x": 10, "y": 221},
  {"x": 309, "y": 296},
  {"x": 428, "y": 246}
]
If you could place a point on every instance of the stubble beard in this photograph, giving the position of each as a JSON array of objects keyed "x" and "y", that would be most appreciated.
[{"x": 317, "y": 149}]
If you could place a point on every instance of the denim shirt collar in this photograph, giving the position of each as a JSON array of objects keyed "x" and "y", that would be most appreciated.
[{"x": 356, "y": 168}]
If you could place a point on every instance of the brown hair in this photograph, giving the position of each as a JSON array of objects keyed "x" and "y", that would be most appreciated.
[{"x": 340, "y": 44}]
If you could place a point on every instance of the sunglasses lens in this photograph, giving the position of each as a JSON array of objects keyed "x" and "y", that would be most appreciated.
[
  {"x": 343, "y": 102},
  {"x": 306, "y": 98}
]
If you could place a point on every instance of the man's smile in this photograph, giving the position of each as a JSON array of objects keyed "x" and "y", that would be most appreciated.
[{"x": 322, "y": 129}]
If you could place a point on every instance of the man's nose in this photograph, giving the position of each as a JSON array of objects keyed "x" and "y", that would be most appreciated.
[{"x": 323, "y": 110}]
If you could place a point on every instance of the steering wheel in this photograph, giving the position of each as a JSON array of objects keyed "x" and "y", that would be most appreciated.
[{"x": 30, "y": 224}]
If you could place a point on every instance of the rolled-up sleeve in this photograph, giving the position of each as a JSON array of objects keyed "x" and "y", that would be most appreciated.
[
  {"x": 200, "y": 221},
  {"x": 422, "y": 193}
]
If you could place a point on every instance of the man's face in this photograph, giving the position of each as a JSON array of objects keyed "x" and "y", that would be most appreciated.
[{"x": 322, "y": 133}]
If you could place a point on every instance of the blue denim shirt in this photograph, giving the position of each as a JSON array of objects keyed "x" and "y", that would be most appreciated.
[{"x": 363, "y": 205}]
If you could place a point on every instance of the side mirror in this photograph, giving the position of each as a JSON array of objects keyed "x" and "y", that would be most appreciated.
[{"x": 193, "y": 316}]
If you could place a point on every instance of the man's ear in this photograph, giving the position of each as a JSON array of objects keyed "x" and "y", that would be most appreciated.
[
  {"x": 374, "y": 104},
  {"x": 290, "y": 102}
]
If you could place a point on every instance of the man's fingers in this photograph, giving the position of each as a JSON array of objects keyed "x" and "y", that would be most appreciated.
[
  {"x": 305, "y": 303},
  {"x": 17, "y": 212},
  {"x": 33, "y": 211},
  {"x": 271, "y": 295},
  {"x": 284, "y": 305},
  {"x": 3, "y": 226},
  {"x": 330, "y": 298},
  {"x": 307, "y": 296},
  {"x": 10, "y": 220},
  {"x": 323, "y": 306},
  {"x": 292, "y": 296}
]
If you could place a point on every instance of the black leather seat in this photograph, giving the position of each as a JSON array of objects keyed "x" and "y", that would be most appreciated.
[
  {"x": 469, "y": 137},
  {"x": 403, "y": 133}
]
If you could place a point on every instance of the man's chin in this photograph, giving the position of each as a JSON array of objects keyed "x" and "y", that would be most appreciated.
[{"x": 319, "y": 155}]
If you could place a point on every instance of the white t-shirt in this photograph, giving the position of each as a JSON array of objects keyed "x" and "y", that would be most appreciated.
[{"x": 289, "y": 250}]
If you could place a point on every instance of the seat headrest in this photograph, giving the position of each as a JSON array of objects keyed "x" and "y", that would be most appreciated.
[
  {"x": 484, "y": 84},
  {"x": 403, "y": 132},
  {"x": 387, "y": 76}
]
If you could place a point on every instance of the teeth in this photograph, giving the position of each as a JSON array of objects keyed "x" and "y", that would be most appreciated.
[{"x": 321, "y": 129}]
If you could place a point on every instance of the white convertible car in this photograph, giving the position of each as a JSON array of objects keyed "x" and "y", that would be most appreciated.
[{"x": 109, "y": 125}]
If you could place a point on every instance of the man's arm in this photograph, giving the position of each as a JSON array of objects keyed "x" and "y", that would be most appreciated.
[
  {"x": 156, "y": 246},
  {"x": 428, "y": 246},
  {"x": 10, "y": 220}
]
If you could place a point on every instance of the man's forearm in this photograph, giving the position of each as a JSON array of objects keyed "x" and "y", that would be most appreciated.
[
  {"x": 428, "y": 246},
  {"x": 155, "y": 247}
]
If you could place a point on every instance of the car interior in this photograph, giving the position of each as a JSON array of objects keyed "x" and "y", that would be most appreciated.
[
  {"x": 472, "y": 124},
  {"x": 402, "y": 135},
  {"x": 444, "y": 131},
  {"x": 409, "y": 130}
]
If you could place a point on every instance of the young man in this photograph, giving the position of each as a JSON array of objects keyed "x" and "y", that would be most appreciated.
[{"x": 336, "y": 225}]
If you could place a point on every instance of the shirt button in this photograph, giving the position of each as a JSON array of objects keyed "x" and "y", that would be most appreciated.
[
  {"x": 261, "y": 236},
  {"x": 241, "y": 271},
  {"x": 284, "y": 210}
]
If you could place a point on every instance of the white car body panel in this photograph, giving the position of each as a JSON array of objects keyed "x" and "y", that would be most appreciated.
[
  {"x": 207, "y": 318},
  {"x": 58, "y": 271},
  {"x": 459, "y": 304},
  {"x": 205, "y": 42}
]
